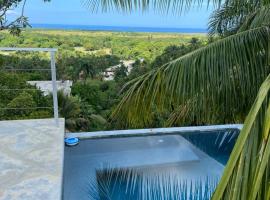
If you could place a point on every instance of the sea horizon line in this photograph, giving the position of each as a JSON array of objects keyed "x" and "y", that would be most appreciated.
[{"x": 118, "y": 28}]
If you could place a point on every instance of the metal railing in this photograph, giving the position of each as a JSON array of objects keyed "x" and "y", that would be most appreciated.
[{"x": 52, "y": 52}]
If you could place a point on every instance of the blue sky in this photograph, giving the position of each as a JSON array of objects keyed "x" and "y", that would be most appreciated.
[{"x": 74, "y": 13}]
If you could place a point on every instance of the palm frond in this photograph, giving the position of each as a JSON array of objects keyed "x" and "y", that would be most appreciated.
[
  {"x": 133, "y": 184},
  {"x": 260, "y": 17},
  {"x": 246, "y": 176},
  {"x": 68, "y": 106},
  {"x": 228, "y": 19},
  {"x": 223, "y": 76},
  {"x": 164, "y": 6}
]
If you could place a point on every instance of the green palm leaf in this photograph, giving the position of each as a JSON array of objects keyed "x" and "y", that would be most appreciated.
[
  {"x": 165, "y": 6},
  {"x": 228, "y": 19},
  {"x": 222, "y": 76},
  {"x": 251, "y": 154},
  {"x": 260, "y": 17}
]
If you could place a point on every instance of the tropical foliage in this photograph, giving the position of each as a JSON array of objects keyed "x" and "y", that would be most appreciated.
[
  {"x": 124, "y": 45},
  {"x": 13, "y": 25},
  {"x": 220, "y": 76},
  {"x": 19, "y": 100},
  {"x": 220, "y": 79},
  {"x": 83, "y": 57},
  {"x": 198, "y": 84},
  {"x": 69, "y": 108},
  {"x": 246, "y": 175}
]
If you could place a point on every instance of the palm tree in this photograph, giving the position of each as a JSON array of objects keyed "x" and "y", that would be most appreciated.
[
  {"x": 222, "y": 77},
  {"x": 69, "y": 108}
]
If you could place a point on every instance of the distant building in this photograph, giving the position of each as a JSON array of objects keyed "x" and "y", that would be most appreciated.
[
  {"x": 46, "y": 86},
  {"x": 108, "y": 74}
]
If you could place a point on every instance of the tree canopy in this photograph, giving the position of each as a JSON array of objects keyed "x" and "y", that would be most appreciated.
[
  {"x": 13, "y": 25},
  {"x": 220, "y": 79}
]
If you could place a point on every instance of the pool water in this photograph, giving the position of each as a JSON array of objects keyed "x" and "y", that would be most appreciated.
[{"x": 157, "y": 167}]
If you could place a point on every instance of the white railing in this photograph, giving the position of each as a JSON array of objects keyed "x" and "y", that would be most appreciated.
[{"x": 52, "y": 52}]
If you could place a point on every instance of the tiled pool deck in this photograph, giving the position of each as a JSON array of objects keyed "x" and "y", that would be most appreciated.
[{"x": 31, "y": 159}]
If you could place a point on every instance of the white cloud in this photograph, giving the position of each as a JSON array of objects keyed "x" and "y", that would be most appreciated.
[{"x": 12, "y": 12}]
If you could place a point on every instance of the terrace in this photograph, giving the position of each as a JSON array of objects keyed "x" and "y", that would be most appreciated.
[
  {"x": 32, "y": 150},
  {"x": 32, "y": 153},
  {"x": 36, "y": 164}
]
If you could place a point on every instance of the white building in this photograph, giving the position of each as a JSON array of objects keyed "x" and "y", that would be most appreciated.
[
  {"x": 46, "y": 86},
  {"x": 109, "y": 72}
]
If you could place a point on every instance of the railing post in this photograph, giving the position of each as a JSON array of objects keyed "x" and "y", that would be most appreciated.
[{"x": 54, "y": 87}]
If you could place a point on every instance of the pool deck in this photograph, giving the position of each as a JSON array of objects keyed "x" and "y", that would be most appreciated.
[{"x": 31, "y": 159}]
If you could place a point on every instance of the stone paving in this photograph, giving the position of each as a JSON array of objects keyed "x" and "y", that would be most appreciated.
[{"x": 31, "y": 159}]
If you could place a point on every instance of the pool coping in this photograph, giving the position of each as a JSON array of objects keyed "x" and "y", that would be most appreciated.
[{"x": 153, "y": 131}]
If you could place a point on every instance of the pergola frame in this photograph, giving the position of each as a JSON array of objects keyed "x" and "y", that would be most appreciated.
[{"x": 52, "y": 52}]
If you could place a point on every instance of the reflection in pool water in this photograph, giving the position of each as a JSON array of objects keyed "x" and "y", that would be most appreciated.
[{"x": 161, "y": 167}]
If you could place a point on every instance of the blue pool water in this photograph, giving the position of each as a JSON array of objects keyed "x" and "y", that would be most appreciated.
[{"x": 157, "y": 167}]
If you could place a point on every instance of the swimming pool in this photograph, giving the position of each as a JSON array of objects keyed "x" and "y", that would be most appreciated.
[{"x": 153, "y": 164}]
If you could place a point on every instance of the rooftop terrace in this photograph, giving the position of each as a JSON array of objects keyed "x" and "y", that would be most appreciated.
[{"x": 31, "y": 154}]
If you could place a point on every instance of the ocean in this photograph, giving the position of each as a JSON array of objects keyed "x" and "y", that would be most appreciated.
[{"x": 119, "y": 28}]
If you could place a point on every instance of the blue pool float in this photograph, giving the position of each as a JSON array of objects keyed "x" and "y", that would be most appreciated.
[{"x": 71, "y": 141}]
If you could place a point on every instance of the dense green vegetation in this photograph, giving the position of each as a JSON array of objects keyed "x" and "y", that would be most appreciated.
[
  {"x": 83, "y": 57},
  {"x": 217, "y": 81},
  {"x": 121, "y": 44}
]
